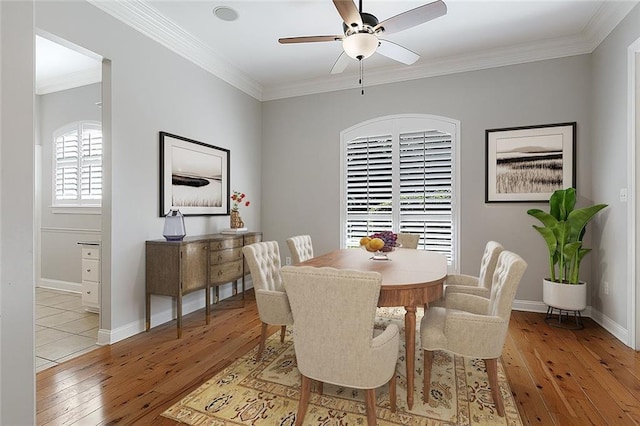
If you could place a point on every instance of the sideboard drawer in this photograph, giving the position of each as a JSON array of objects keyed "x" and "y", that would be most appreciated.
[
  {"x": 228, "y": 255},
  {"x": 226, "y": 244},
  {"x": 226, "y": 272},
  {"x": 91, "y": 253},
  {"x": 254, "y": 238}
]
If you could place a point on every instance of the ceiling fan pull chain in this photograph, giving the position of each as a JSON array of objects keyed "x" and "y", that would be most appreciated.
[{"x": 361, "y": 81}]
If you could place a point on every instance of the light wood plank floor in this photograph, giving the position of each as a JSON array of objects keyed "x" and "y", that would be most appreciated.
[{"x": 558, "y": 377}]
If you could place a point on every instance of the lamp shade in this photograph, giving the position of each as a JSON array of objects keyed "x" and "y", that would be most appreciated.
[
  {"x": 360, "y": 45},
  {"x": 174, "y": 226}
]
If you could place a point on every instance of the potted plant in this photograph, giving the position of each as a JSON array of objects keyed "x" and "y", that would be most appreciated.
[{"x": 563, "y": 229}]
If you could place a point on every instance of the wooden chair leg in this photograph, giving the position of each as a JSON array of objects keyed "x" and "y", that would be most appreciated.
[
  {"x": 305, "y": 393},
  {"x": 426, "y": 388},
  {"x": 492, "y": 372},
  {"x": 283, "y": 331},
  {"x": 319, "y": 387},
  {"x": 263, "y": 338},
  {"x": 392, "y": 392},
  {"x": 370, "y": 402}
]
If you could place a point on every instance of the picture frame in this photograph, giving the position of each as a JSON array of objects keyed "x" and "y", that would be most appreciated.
[
  {"x": 526, "y": 164},
  {"x": 194, "y": 177}
]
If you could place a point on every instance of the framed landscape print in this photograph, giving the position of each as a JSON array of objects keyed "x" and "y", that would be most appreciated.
[
  {"x": 525, "y": 164},
  {"x": 194, "y": 177}
]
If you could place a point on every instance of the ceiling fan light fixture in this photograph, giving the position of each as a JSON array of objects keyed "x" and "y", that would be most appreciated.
[{"x": 360, "y": 45}]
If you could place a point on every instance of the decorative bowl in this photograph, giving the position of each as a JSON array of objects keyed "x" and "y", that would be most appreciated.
[{"x": 382, "y": 254}]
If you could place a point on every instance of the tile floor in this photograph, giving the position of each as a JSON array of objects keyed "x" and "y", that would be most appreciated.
[{"x": 64, "y": 329}]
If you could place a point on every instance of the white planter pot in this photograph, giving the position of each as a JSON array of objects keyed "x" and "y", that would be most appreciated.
[{"x": 568, "y": 297}]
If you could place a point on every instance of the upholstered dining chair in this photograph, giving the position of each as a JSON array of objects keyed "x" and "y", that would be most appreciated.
[
  {"x": 480, "y": 285},
  {"x": 474, "y": 326},
  {"x": 408, "y": 240},
  {"x": 273, "y": 305},
  {"x": 333, "y": 337},
  {"x": 301, "y": 248}
]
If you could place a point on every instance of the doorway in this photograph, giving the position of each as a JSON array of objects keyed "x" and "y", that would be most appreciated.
[{"x": 68, "y": 95}]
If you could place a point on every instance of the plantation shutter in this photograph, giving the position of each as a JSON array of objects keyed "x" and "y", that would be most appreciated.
[
  {"x": 398, "y": 174},
  {"x": 369, "y": 189},
  {"x": 425, "y": 186},
  {"x": 78, "y": 165}
]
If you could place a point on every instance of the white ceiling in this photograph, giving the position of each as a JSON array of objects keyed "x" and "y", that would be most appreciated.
[{"x": 472, "y": 35}]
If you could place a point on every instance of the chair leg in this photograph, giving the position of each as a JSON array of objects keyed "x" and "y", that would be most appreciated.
[
  {"x": 492, "y": 372},
  {"x": 319, "y": 387},
  {"x": 305, "y": 393},
  {"x": 263, "y": 338},
  {"x": 370, "y": 401},
  {"x": 283, "y": 331},
  {"x": 392, "y": 392},
  {"x": 426, "y": 388}
]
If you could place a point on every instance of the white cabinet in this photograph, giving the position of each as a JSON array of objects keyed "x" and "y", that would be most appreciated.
[{"x": 90, "y": 275}]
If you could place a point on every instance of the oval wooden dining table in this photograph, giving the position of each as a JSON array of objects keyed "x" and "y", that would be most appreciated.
[{"x": 410, "y": 278}]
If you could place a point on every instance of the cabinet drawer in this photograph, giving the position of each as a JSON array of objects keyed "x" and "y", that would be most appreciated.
[
  {"x": 226, "y": 244},
  {"x": 226, "y": 272},
  {"x": 90, "y": 253},
  {"x": 90, "y": 270},
  {"x": 250, "y": 239},
  {"x": 90, "y": 293},
  {"x": 229, "y": 255}
]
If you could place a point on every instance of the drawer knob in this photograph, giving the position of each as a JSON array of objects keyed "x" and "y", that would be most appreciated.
[
  {"x": 88, "y": 270},
  {"x": 88, "y": 292},
  {"x": 88, "y": 253}
]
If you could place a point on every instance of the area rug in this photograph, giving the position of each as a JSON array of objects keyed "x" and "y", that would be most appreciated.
[{"x": 267, "y": 392}]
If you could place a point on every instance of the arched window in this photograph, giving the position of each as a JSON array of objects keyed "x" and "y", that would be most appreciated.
[
  {"x": 399, "y": 173},
  {"x": 77, "y": 157}
]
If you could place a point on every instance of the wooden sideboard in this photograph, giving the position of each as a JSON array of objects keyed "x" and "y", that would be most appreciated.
[{"x": 177, "y": 268}]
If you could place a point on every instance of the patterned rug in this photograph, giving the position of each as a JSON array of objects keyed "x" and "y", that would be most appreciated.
[{"x": 267, "y": 392}]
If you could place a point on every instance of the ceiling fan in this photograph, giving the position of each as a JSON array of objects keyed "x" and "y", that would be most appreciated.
[{"x": 362, "y": 32}]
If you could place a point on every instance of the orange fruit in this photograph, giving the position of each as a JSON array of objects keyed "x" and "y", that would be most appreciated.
[
  {"x": 364, "y": 241},
  {"x": 375, "y": 244}
]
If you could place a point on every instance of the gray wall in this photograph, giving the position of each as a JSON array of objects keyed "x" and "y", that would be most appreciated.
[
  {"x": 155, "y": 90},
  {"x": 301, "y": 154},
  {"x": 609, "y": 168},
  {"x": 60, "y": 255},
  {"x": 17, "y": 373}
]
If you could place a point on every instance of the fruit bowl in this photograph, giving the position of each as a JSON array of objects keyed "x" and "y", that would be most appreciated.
[{"x": 380, "y": 244}]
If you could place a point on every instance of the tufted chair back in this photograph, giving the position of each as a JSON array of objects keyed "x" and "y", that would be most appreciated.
[
  {"x": 507, "y": 275},
  {"x": 301, "y": 248},
  {"x": 264, "y": 263},
  {"x": 488, "y": 264}
]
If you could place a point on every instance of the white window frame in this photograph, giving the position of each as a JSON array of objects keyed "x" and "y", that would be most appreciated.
[
  {"x": 79, "y": 205},
  {"x": 394, "y": 125}
]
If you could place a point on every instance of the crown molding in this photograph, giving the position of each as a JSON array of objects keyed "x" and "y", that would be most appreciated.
[
  {"x": 69, "y": 81},
  {"x": 147, "y": 20}
]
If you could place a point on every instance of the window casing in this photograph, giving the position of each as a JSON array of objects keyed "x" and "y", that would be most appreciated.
[
  {"x": 399, "y": 174},
  {"x": 77, "y": 159}
]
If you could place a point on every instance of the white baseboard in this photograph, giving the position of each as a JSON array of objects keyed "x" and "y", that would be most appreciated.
[
  {"x": 60, "y": 285},
  {"x": 611, "y": 326},
  {"x": 618, "y": 331},
  {"x": 107, "y": 337}
]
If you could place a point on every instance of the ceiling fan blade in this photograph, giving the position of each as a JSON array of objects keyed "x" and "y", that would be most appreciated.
[
  {"x": 341, "y": 63},
  {"x": 397, "y": 53},
  {"x": 413, "y": 17},
  {"x": 309, "y": 39},
  {"x": 349, "y": 12}
]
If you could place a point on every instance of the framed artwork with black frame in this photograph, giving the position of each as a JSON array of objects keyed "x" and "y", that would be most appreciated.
[
  {"x": 194, "y": 177},
  {"x": 526, "y": 164}
]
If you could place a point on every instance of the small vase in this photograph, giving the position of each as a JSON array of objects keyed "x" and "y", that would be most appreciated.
[
  {"x": 236, "y": 220},
  {"x": 174, "y": 229}
]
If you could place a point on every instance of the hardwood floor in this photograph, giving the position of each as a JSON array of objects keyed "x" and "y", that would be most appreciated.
[{"x": 558, "y": 377}]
